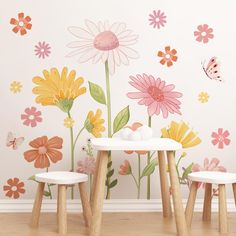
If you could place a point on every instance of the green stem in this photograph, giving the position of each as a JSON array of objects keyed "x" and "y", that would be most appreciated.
[
  {"x": 72, "y": 154},
  {"x": 177, "y": 167},
  {"x": 148, "y": 162},
  {"x": 78, "y": 137},
  {"x": 136, "y": 182},
  {"x": 49, "y": 188},
  {"x": 109, "y": 132},
  {"x": 139, "y": 175}
]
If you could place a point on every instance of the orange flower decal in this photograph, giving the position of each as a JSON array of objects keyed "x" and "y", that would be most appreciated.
[
  {"x": 168, "y": 56},
  {"x": 44, "y": 151},
  {"x": 22, "y": 24},
  {"x": 14, "y": 188},
  {"x": 134, "y": 127}
]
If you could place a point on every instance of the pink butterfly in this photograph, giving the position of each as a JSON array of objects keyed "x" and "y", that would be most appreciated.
[
  {"x": 212, "y": 70},
  {"x": 13, "y": 141}
]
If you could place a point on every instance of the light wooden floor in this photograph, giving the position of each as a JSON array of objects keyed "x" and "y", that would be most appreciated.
[{"x": 114, "y": 224}]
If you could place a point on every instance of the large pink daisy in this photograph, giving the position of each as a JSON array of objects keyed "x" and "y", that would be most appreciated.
[
  {"x": 103, "y": 42},
  {"x": 155, "y": 94}
]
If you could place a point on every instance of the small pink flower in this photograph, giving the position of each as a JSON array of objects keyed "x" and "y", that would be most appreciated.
[
  {"x": 220, "y": 138},
  {"x": 157, "y": 19},
  {"x": 156, "y": 95},
  {"x": 42, "y": 50},
  {"x": 212, "y": 165},
  {"x": 86, "y": 166},
  {"x": 31, "y": 116},
  {"x": 204, "y": 33},
  {"x": 125, "y": 168}
]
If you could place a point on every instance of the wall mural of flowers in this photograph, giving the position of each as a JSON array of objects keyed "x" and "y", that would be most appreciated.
[{"x": 112, "y": 45}]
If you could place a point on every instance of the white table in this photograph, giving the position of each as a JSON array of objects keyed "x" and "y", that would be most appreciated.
[{"x": 104, "y": 145}]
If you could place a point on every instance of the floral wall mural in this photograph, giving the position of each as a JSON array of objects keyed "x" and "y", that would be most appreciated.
[{"x": 65, "y": 80}]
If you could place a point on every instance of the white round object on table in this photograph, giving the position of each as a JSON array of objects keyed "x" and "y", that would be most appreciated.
[
  {"x": 125, "y": 133},
  {"x": 135, "y": 136},
  {"x": 145, "y": 132}
]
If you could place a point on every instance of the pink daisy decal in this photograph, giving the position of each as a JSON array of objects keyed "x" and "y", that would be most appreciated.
[
  {"x": 157, "y": 19},
  {"x": 204, "y": 33},
  {"x": 103, "y": 42},
  {"x": 42, "y": 49},
  {"x": 31, "y": 117},
  {"x": 156, "y": 95},
  {"x": 220, "y": 138}
]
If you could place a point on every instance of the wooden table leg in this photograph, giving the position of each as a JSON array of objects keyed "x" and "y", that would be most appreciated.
[
  {"x": 191, "y": 202},
  {"x": 234, "y": 191},
  {"x": 37, "y": 205},
  {"x": 180, "y": 220},
  {"x": 98, "y": 195},
  {"x": 206, "y": 216},
  {"x": 222, "y": 210},
  {"x": 165, "y": 191}
]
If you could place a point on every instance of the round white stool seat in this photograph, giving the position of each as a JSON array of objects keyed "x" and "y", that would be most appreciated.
[
  {"x": 213, "y": 177},
  {"x": 61, "y": 177}
]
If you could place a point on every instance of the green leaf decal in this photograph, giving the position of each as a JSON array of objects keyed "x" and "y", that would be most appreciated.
[
  {"x": 149, "y": 169},
  {"x": 97, "y": 93},
  {"x": 46, "y": 194},
  {"x": 113, "y": 183},
  {"x": 109, "y": 164},
  {"x": 110, "y": 173},
  {"x": 121, "y": 119},
  {"x": 32, "y": 178},
  {"x": 187, "y": 171}
]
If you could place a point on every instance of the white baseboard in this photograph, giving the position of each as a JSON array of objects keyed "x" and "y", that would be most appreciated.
[{"x": 116, "y": 205}]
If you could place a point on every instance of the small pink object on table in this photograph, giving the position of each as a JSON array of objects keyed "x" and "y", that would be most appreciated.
[{"x": 104, "y": 145}]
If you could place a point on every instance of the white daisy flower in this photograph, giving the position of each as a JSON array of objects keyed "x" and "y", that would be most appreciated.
[{"x": 103, "y": 42}]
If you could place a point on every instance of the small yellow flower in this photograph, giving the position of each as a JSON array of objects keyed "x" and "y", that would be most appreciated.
[
  {"x": 58, "y": 89},
  {"x": 181, "y": 133},
  {"x": 68, "y": 122},
  {"x": 203, "y": 97},
  {"x": 94, "y": 123},
  {"x": 15, "y": 87}
]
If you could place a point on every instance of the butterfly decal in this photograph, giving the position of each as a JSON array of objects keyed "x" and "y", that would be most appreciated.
[
  {"x": 14, "y": 142},
  {"x": 212, "y": 70}
]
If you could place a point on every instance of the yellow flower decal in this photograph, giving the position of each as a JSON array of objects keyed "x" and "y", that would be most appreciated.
[
  {"x": 58, "y": 89},
  {"x": 15, "y": 87},
  {"x": 94, "y": 123},
  {"x": 68, "y": 122},
  {"x": 203, "y": 97},
  {"x": 181, "y": 133}
]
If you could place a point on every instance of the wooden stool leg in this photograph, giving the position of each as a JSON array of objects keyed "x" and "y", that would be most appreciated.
[
  {"x": 37, "y": 205},
  {"x": 190, "y": 204},
  {"x": 165, "y": 191},
  {"x": 234, "y": 190},
  {"x": 85, "y": 204},
  {"x": 206, "y": 216},
  {"x": 222, "y": 210},
  {"x": 180, "y": 220},
  {"x": 98, "y": 194},
  {"x": 62, "y": 215}
]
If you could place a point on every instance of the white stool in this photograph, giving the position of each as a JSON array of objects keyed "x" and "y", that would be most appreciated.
[
  {"x": 209, "y": 178},
  {"x": 62, "y": 179}
]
